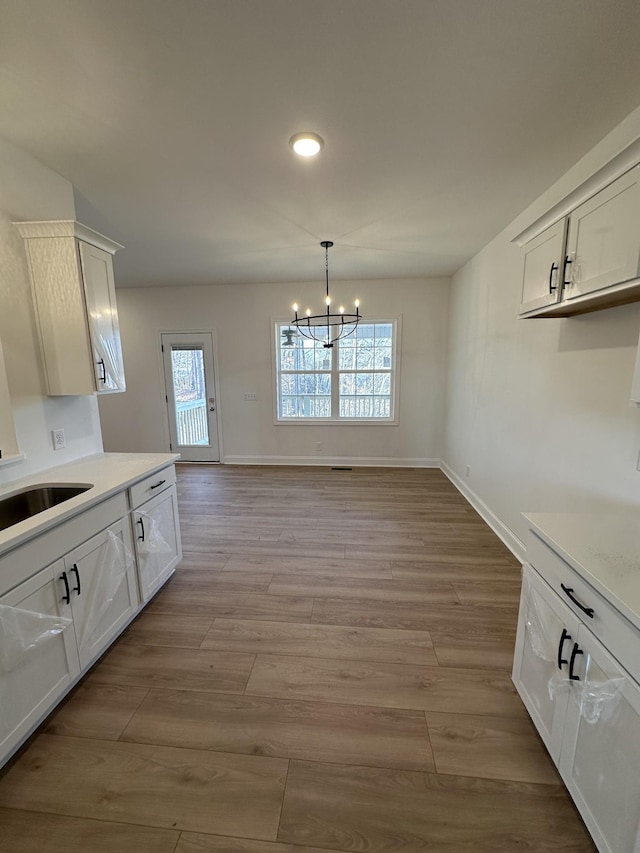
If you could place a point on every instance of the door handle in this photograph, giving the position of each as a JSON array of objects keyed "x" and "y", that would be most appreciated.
[
  {"x": 211, "y": 408},
  {"x": 67, "y": 593},
  {"x": 141, "y": 523},
  {"x": 552, "y": 287},
  {"x": 568, "y": 591},
  {"x": 575, "y": 651},
  {"x": 564, "y": 636},
  {"x": 75, "y": 571},
  {"x": 103, "y": 377}
]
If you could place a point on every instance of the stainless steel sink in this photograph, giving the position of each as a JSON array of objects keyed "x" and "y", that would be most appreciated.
[{"x": 29, "y": 502}]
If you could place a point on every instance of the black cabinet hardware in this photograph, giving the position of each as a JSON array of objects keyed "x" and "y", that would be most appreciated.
[
  {"x": 564, "y": 636},
  {"x": 552, "y": 287},
  {"x": 575, "y": 651},
  {"x": 67, "y": 594},
  {"x": 568, "y": 591},
  {"x": 141, "y": 523},
  {"x": 75, "y": 571},
  {"x": 567, "y": 261},
  {"x": 103, "y": 377},
  {"x": 157, "y": 485}
]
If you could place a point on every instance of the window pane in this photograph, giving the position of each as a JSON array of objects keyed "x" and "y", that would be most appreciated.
[
  {"x": 382, "y": 384},
  {"x": 305, "y": 395},
  {"x": 189, "y": 390},
  {"x": 346, "y": 356},
  {"x": 382, "y": 357},
  {"x": 363, "y": 369}
]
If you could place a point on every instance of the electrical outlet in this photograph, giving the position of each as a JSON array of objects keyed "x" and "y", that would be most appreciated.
[
  {"x": 250, "y": 396},
  {"x": 58, "y": 439},
  {"x": 468, "y": 470},
  {"x": 318, "y": 446}
]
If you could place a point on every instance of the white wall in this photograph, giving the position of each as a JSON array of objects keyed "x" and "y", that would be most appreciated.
[
  {"x": 28, "y": 190},
  {"x": 539, "y": 409},
  {"x": 240, "y": 316}
]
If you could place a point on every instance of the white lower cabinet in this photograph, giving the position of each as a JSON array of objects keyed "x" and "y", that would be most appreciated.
[
  {"x": 63, "y": 616},
  {"x": 32, "y": 681},
  {"x": 546, "y": 629},
  {"x": 584, "y": 703},
  {"x": 99, "y": 581},
  {"x": 600, "y": 758},
  {"x": 157, "y": 540}
]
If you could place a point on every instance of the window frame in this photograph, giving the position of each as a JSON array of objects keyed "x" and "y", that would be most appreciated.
[{"x": 335, "y": 420}]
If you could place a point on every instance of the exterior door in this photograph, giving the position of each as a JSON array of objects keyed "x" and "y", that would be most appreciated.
[{"x": 190, "y": 387}]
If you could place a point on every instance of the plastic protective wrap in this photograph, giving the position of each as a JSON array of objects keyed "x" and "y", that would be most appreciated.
[
  {"x": 596, "y": 700},
  {"x": 22, "y": 631},
  {"x": 109, "y": 351},
  {"x": 540, "y": 629},
  {"x": 114, "y": 562},
  {"x": 153, "y": 551}
]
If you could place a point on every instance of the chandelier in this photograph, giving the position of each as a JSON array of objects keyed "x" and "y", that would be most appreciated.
[{"x": 325, "y": 328}]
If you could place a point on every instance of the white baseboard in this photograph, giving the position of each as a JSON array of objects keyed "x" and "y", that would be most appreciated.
[
  {"x": 515, "y": 545},
  {"x": 335, "y": 461}
]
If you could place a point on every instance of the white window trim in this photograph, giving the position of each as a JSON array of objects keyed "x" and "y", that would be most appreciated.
[{"x": 396, "y": 319}]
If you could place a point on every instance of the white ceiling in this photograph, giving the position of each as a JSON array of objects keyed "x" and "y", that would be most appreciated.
[{"x": 443, "y": 119}]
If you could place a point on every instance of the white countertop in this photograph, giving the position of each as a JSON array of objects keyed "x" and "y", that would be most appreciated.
[
  {"x": 108, "y": 473},
  {"x": 603, "y": 549}
]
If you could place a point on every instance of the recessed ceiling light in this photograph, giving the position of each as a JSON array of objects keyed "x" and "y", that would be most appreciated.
[{"x": 306, "y": 144}]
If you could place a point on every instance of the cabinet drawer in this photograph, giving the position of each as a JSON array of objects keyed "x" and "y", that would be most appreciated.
[
  {"x": 613, "y": 630},
  {"x": 152, "y": 486}
]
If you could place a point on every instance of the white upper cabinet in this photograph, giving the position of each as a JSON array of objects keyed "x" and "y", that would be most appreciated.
[
  {"x": 584, "y": 253},
  {"x": 543, "y": 263},
  {"x": 71, "y": 272},
  {"x": 102, "y": 313},
  {"x": 8, "y": 440},
  {"x": 603, "y": 244}
]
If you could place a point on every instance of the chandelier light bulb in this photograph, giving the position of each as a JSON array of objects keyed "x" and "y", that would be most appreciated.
[
  {"x": 328, "y": 300},
  {"x": 357, "y": 303},
  {"x": 308, "y": 312},
  {"x": 295, "y": 307},
  {"x": 341, "y": 309}
]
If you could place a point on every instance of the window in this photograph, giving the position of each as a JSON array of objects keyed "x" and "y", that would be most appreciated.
[{"x": 352, "y": 381}]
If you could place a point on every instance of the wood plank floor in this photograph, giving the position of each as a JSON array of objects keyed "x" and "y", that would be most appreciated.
[{"x": 328, "y": 669}]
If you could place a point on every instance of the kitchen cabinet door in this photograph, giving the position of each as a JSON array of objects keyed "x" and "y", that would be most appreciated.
[
  {"x": 157, "y": 537},
  {"x": 71, "y": 274},
  {"x": 32, "y": 681},
  {"x": 103, "y": 589},
  {"x": 102, "y": 316},
  {"x": 543, "y": 264},
  {"x": 546, "y": 632},
  {"x": 600, "y": 757},
  {"x": 603, "y": 242}
]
